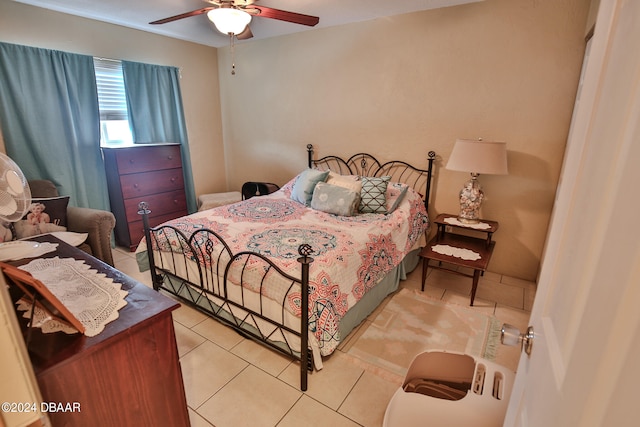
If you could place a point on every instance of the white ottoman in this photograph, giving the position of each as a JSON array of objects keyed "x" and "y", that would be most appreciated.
[{"x": 213, "y": 200}]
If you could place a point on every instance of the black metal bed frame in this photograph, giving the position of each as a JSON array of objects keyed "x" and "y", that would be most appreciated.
[
  {"x": 364, "y": 164},
  {"x": 214, "y": 260}
]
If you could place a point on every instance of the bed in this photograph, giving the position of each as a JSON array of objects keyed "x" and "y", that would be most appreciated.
[{"x": 333, "y": 243}]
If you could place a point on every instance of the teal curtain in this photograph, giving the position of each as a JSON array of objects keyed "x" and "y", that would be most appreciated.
[
  {"x": 50, "y": 121},
  {"x": 155, "y": 109}
]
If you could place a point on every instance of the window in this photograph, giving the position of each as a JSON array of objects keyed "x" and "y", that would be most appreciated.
[{"x": 114, "y": 120}]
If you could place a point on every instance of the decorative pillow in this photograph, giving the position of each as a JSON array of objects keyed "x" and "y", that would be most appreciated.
[
  {"x": 45, "y": 216},
  {"x": 302, "y": 190},
  {"x": 373, "y": 195},
  {"x": 335, "y": 199},
  {"x": 395, "y": 194},
  {"x": 351, "y": 182}
]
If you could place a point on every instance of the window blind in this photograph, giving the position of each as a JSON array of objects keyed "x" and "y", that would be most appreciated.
[{"x": 111, "y": 95}]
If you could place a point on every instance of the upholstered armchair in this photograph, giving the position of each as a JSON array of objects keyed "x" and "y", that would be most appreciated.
[{"x": 97, "y": 223}]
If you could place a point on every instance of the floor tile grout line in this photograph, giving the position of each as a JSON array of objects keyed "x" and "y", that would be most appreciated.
[
  {"x": 412, "y": 282},
  {"x": 289, "y": 410},
  {"x": 221, "y": 388}
]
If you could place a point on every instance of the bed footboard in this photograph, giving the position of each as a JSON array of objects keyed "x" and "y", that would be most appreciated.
[{"x": 202, "y": 271}]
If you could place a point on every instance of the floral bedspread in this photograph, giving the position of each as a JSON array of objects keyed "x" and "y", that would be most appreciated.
[{"x": 351, "y": 254}]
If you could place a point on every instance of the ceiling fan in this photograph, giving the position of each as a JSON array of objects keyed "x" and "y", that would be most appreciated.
[{"x": 232, "y": 17}]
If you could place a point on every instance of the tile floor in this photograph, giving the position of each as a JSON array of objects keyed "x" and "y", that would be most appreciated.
[{"x": 232, "y": 382}]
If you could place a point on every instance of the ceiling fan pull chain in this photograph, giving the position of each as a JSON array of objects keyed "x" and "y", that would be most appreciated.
[{"x": 233, "y": 54}]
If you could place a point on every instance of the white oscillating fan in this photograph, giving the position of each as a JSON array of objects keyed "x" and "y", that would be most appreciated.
[
  {"x": 15, "y": 195},
  {"x": 15, "y": 200}
]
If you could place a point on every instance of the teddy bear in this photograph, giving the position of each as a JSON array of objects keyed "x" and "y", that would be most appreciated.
[{"x": 6, "y": 234}]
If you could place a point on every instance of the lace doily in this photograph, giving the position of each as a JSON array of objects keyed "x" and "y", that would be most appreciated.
[
  {"x": 456, "y": 252},
  {"x": 91, "y": 297},
  {"x": 478, "y": 226},
  {"x": 18, "y": 249}
]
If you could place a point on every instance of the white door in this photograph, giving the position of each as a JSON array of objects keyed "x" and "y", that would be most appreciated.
[{"x": 584, "y": 366}]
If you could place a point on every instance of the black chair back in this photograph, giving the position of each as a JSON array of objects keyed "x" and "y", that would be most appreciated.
[{"x": 252, "y": 189}]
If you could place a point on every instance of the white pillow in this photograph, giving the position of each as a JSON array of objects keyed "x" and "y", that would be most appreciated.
[{"x": 346, "y": 181}]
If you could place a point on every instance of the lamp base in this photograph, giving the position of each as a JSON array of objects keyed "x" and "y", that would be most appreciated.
[
  {"x": 468, "y": 220},
  {"x": 471, "y": 197}
]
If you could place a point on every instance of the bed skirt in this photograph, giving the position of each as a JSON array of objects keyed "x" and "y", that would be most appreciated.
[{"x": 372, "y": 299}]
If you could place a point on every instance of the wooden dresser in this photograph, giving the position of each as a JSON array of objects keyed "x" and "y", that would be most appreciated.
[
  {"x": 127, "y": 375},
  {"x": 150, "y": 173}
]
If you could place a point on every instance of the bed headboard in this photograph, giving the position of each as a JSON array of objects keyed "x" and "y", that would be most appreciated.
[{"x": 364, "y": 164}]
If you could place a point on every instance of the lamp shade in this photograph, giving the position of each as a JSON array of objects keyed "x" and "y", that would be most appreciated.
[
  {"x": 229, "y": 20},
  {"x": 480, "y": 157}
]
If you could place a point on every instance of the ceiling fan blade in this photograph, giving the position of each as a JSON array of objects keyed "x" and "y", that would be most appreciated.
[
  {"x": 283, "y": 15},
  {"x": 182, "y": 16},
  {"x": 246, "y": 34}
]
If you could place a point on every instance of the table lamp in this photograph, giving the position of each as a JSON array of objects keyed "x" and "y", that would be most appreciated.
[{"x": 476, "y": 157}]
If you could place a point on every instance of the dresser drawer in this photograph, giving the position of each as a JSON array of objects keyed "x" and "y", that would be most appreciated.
[
  {"x": 163, "y": 203},
  {"x": 145, "y": 183},
  {"x": 150, "y": 158}
]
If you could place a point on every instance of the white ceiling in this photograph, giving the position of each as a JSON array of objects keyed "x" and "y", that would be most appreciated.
[{"x": 138, "y": 13}]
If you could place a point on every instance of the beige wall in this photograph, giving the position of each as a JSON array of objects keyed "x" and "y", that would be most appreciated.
[
  {"x": 397, "y": 87},
  {"x": 32, "y": 26},
  {"x": 500, "y": 69}
]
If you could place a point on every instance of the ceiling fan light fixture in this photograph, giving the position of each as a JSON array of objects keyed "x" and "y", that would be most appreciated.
[{"x": 229, "y": 20}]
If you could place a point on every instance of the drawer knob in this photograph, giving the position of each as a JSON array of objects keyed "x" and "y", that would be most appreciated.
[
  {"x": 132, "y": 161},
  {"x": 173, "y": 179},
  {"x": 175, "y": 202},
  {"x": 135, "y": 185},
  {"x": 170, "y": 157}
]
